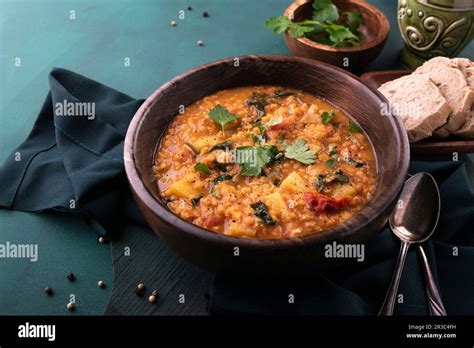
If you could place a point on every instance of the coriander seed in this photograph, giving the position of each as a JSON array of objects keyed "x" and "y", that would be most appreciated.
[{"x": 70, "y": 306}]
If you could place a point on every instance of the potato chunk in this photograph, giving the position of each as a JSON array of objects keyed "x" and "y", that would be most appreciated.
[
  {"x": 294, "y": 183},
  {"x": 344, "y": 191},
  {"x": 183, "y": 188},
  {"x": 206, "y": 141},
  {"x": 239, "y": 230},
  {"x": 276, "y": 204}
]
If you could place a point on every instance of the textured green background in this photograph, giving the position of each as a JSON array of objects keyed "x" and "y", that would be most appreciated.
[{"x": 95, "y": 45}]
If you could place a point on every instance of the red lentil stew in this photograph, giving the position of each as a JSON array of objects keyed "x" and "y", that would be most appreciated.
[{"x": 264, "y": 162}]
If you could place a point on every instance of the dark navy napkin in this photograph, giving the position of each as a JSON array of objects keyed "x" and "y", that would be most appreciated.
[
  {"x": 359, "y": 288},
  {"x": 72, "y": 159}
]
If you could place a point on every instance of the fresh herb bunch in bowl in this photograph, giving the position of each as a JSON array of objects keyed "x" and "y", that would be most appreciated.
[
  {"x": 328, "y": 26},
  {"x": 346, "y": 33}
]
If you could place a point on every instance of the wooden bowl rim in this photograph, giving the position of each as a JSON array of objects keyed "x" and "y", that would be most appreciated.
[
  {"x": 339, "y": 231},
  {"x": 364, "y": 45}
]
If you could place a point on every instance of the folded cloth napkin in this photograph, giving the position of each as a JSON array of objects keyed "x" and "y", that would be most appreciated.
[
  {"x": 72, "y": 159},
  {"x": 360, "y": 287}
]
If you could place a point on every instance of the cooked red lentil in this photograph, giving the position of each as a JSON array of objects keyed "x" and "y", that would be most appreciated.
[{"x": 264, "y": 162}]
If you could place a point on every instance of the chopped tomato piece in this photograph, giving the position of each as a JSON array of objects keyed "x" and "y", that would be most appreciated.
[
  {"x": 213, "y": 221},
  {"x": 322, "y": 204},
  {"x": 277, "y": 127}
]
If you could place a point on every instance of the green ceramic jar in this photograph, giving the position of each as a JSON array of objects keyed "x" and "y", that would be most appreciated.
[{"x": 434, "y": 28}]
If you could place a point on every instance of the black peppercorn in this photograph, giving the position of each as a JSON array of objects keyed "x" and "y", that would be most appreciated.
[
  {"x": 71, "y": 276},
  {"x": 190, "y": 8},
  {"x": 205, "y": 14},
  {"x": 140, "y": 289},
  {"x": 48, "y": 291}
]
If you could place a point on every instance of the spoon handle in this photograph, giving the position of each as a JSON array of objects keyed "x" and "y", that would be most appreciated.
[
  {"x": 389, "y": 303},
  {"x": 435, "y": 304}
]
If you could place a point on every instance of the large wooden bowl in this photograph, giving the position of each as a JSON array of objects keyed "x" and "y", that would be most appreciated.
[
  {"x": 376, "y": 25},
  {"x": 296, "y": 255}
]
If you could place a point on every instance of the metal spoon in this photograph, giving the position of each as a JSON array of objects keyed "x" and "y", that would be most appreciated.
[{"x": 413, "y": 221}]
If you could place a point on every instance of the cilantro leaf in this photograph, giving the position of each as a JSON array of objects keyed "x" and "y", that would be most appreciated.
[
  {"x": 341, "y": 177},
  {"x": 279, "y": 24},
  {"x": 331, "y": 163},
  {"x": 274, "y": 122},
  {"x": 195, "y": 200},
  {"x": 221, "y": 116},
  {"x": 300, "y": 30},
  {"x": 261, "y": 211},
  {"x": 199, "y": 166},
  {"x": 300, "y": 152},
  {"x": 325, "y": 11},
  {"x": 341, "y": 36},
  {"x": 353, "y": 21},
  {"x": 252, "y": 159},
  {"x": 354, "y": 127},
  {"x": 279, "y": 94},
  {"x": 228, "y": 144},
  {"x": 327, "y": 117}
]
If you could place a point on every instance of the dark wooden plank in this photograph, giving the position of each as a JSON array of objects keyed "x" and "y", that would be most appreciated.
[
  {"x": 443, "y": 146},
  {"x": 152, "y": 263}
]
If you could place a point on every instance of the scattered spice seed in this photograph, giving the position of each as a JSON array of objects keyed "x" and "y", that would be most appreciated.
[
  {"x": 205, "y": 14},
  {"x": 102, "y": 240},
  {"x": 154, "y": 293},
  {"x": 48, "y": 291},
  {"x": 71, "y": 276},
  {"x": 190, "y": 8},
  {"x": 200, "y": 43},
  {"x": 140, "y": 289},
  {"x": 70, "y": 306},
  {"x": 152, "y": 299},
  {"x": 173, "y": 23},
  {"x": 101, "y": 284}
]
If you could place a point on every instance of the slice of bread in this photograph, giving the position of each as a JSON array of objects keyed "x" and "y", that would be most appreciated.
[
  {"x": 453, "y": 85},
  {"x": 467, "y": 68},
  {"x": 419, "y": 103}
]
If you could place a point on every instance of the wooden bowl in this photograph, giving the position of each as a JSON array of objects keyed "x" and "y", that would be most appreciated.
[
  {"x": 294, "y": 255},
  {"x": 376, "y": 30}
]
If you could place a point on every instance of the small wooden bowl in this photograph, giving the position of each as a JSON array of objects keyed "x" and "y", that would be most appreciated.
[
  {"x": 376, "y": 27},
  {"x": 306, "y": 254}
]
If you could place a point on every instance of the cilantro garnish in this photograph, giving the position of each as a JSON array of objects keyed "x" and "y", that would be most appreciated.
[
  {"x": 202, "y": 168},
  {"x": 327, "y": 26},
  {"x": 327, "y": 117},
  {"x": 274, "y": 122},
  {"x": 331, "y": 163},
  {"x": 195, "y": 200},
  {"x": 221, "y": 116},
  {"x": 353, "y": 127},
  {"x": 261, "y": 211},
  {"x": 300, "y": 152}
]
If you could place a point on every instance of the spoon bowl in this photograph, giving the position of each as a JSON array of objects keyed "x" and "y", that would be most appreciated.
[{"x": 417, "y": 212}]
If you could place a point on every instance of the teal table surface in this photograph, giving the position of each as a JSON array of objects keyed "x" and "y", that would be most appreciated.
[{"x": 97, "y": 38}]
